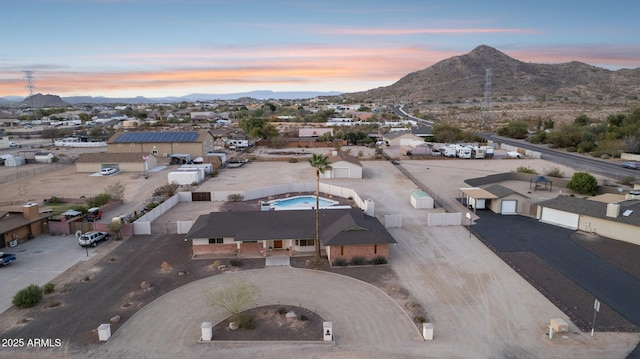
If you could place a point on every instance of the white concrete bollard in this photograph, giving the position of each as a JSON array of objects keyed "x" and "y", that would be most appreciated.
[
  {"x": 104, "y": 332},
  {"x": 207, "y": 331},
  {"x": 427, "y": 331},
  {"x": 327, "y": 330}
]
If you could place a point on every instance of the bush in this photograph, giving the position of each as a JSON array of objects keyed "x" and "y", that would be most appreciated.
[
  {"x": 282, "y": 311},
  {"x": 340, "y": 263},
  {"x": 627, "y": 181},
  {"x": 235, "y": 262},
  {"x": 555, "y": 172},
  {"x": 293, "y": 160},
  {"x": 245, "y": 321},
  {"x": 420, "y": 320},
  {"x": 358, "y": 261},
  {"x": 28, "y": 297},
  {"x": 523, "y": 169},
  {"x": 303, "y": 317},
  {"x": 48, "y": 288},
  {"x": 235, "y": 197},
  {"x": 379, "y": 260},
  {"x": 583, "y": 183}
]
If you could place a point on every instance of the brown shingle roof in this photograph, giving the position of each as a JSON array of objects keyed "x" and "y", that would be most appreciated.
[{"x": 101, "y": 157}]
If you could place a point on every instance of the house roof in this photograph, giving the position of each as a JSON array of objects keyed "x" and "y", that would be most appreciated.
[
  {"x": 102, "y": 157},
  {"x": 339, "y": 226},
  {"x": 595, "y": 209},
  {"x": 158, "y": 137},
  {"x": 345, "y": 157},
  {"x": 396, "y": 134},
  {"x": 478, "y": 193},
  {"x": 502, "y": 191},
  {"x": 14, "y": 220}
]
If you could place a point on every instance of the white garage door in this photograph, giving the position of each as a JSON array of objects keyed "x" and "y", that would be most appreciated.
[
  {"x": 560, "y": 218},
  {"x": 508, "y": 206},
  {"x": 340, "y": 173}
]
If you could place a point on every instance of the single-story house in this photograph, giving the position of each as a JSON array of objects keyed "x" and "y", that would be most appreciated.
[
  {"x": 344, "y": 234},
  {"x": 17, "y": 226},
  {"x": 508, "y": 201},
  {"x": 401, "y": 138},
  {"x": 343, "y": 166},
  {"x": 162, "y": 144},
  {"x": 619, "y": 220},
  {"x": 124, "y": 162}
]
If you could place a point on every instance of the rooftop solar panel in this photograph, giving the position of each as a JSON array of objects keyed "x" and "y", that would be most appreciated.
[{"x": 147, "y": 137}]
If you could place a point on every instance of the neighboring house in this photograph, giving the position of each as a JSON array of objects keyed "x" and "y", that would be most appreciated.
[
  {"x": 314, "y": 132},
  {"x": 422, "y": 131},
  {"x": 43, "y": 157},
  {"x": 16, "y": 226},
  {"x": 162, "y": 144},
  {"x": 619, "y": 220},
  {"x": 508, "y": 201},
  {"x": 344, "y": 233},
  {"x": 343, "y": 166},
  {"x": 125, "y": 162},
  {"x": 401, "y": 138}
]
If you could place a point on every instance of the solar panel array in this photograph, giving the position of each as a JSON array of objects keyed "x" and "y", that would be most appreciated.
[{"x": 147, "y": 137}]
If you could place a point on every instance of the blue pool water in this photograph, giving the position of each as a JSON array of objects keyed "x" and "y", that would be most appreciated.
[{"x": 301, "y": 202}]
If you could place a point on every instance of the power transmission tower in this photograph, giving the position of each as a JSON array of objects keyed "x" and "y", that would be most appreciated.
[
  {"x": 30, "y": 86},
  {"x": 486, "y": 102}
]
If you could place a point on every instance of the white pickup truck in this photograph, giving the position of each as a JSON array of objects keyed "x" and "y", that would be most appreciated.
[{"x": 92, "y": 238}]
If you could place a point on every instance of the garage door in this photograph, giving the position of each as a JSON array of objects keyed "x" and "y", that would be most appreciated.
[
  {"x": 340, "y": 173},
  {"x": 560, "y": 218},
  {"x": 509, "y": 206}
]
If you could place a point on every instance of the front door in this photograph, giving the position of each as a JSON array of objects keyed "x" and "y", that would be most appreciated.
[{"x": 277, "y": 244}]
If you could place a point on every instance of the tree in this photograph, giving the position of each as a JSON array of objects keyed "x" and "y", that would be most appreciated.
[
  {"x": 235, "y": 297},
  {"x": 583, "y": 183},
  {"x": 320, "y": 163},
  {"x": 116, "y": 227}
]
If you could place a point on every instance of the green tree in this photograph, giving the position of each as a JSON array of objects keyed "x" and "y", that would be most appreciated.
[
  {"x": 583, "y": 183},
  {"x": 234, "y": 298},
  {"x": 515, "y": 129},
  {"x": 320, "y": 163}
]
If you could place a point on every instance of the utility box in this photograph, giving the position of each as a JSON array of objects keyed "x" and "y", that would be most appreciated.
[
  {"x": 427, "y": 331},
  {"x": 207, "y": 331},
  {"x": 559, "y": 325},
  {"x": 104, "y": 332},
  {"x": 327, "y": 330}
]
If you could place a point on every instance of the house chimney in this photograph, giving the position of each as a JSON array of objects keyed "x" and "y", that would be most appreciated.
[
  {"x": 30, "y": 211},
  {"x": 613, "y": 210}
]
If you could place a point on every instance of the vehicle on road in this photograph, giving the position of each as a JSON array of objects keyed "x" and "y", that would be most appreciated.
[
  {"x": 632, "y": 165},
  {"x": 514, "y": 154},
  {"x": 13, "y": 144},
  {"x": 107, "y": 171},
  {"x": 6, "y": 258},
  {"x": 92, "y": 238}
]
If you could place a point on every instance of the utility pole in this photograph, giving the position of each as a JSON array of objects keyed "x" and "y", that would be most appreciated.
[{"x": 30, "y": 86}]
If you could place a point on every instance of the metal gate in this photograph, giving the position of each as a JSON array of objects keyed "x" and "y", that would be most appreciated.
[{"x": 201, "y": 196}]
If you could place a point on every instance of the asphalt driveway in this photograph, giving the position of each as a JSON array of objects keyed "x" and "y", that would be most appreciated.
[{"x": 607, "y": 282}]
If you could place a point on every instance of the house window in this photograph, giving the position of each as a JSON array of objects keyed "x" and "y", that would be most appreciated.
[
  {"x": 216, "y": 240},
  {"x": 375, "y": 249},
  {"x": 305, "y": 242}
]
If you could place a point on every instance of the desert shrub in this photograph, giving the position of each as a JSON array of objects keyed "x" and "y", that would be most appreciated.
[
  {"x": 235, "y": 197},
  {"x": 420, "y": 319},
  {"x": 214, "y": 173},
  {"x": 48, "y": 288},
  {"x": 245, "y": 321},
  {"x": 555, "y": 172},
  {"x": 27, "y": 297},
  {"x": 152, "y": 205},
  {"x": 282, "y": 311},
  {"x": 628, "y": 180},
  {"x": 379, "y": 260},
  {"x": 360, "y": 153},
  {"x": 293, "y": 160},
  {"x": 358, "y": 261},
  {"x": 54, "y": 199},
  {"x": 303, "y": 317},
  {"x": 340, "y": 262},
  {"x": 523, "y": 169},
  {"x": 99, "y": 200},
  {"x": 583, "y": 183},
  {"x": 234, "y": 262}
]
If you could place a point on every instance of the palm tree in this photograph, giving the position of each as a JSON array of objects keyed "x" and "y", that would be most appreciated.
[{"x": 320, "y": 163}]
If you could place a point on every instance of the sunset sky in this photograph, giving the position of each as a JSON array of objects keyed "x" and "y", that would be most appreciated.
[{"x": 156, "y": 48}]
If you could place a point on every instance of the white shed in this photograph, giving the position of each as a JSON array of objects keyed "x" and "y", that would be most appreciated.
[
  {"x": 420, "y": 199},
  {"x": 44, "y": 157},
  {"x": 343, "y": 166},
  {"x": 14, "y": 161},
  {"x": 186, "y": 176}
]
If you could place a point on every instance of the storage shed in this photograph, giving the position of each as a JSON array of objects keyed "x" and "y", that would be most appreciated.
[
  {"x": 508, "y": 201},
  {"x": 44, "y": 157},
  {"x": 343, "y": 166},
  {"x": 186, "y": 176},
  {"x": 420, "y": 199}
]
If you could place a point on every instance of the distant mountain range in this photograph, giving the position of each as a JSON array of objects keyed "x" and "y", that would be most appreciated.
[
  {"x": 40, "y": 100},
  {"x": 456, "y": 79},
  {"x": 464, "y": 77}
]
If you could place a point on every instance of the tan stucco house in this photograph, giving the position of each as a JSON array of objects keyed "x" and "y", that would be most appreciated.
[
  {"x": 124, "y": 162},
  {"x": 162, "y": 144},
  {"x": 343, "y": 166}
]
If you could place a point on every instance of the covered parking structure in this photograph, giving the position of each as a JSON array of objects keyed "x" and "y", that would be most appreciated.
[
  {"x": 475, "y": 198},
  {"x": 541, "y": 183}
]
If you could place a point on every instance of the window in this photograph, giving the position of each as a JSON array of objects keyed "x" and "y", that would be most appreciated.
[
  {"x": 216, "y": 240},
  {"x": 305, "y": 242}
]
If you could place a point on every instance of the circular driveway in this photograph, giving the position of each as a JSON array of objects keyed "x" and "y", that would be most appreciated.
[{"x": 365, "y": 320}]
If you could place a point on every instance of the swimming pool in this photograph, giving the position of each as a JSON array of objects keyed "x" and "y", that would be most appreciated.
[{"x": 298, "y": 202}]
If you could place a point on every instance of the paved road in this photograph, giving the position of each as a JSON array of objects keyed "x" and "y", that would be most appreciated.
[{"x": 611, "y": 285}]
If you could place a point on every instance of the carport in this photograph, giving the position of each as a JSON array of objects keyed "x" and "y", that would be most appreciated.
[{"x": 475, "y": 198}]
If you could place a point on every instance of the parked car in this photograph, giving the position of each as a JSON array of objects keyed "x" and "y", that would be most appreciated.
[
  {"x": 632, "y": 165},
  {"x": 92, "y": 238},
  {"x": 93, "y": 214},
  {"x": 108, "y": 171},
  {"x": 13, "y": 144},
  {"x": 6, "y": 258}
]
